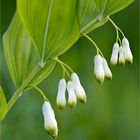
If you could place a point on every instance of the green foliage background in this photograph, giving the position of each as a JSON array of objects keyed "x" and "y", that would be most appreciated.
[{"x": 111, "y": 112}]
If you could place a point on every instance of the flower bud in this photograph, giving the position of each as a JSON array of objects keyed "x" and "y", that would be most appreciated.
[
  {"x": 98, "y": 68},
  {"x": 114, "y": 55},
  {"x": 127, "y": 52},
  {"x": 72, "y": 100},
  {"x": 50, "y": 123},
  {"x": 107, "y": 70},
  {"x": 61, "y": 98},
  {"x": 79, "y": 90},
  {"x": 121, "y": 56}
]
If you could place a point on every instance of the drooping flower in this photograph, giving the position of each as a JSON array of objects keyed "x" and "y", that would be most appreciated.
[
  {"x": 121, "y": 56},
  {"x": 72, "y": 99},
  {"x": 114, "y": 55},
  {"x": 127, "y": 52},
  {"x": 50, "y": 123},
  {"x": 79, "y": 90},
  {"x": 61, "y": 98},
  {"x": 107, "y": 71},
  {"x": 98, "y": 68}
]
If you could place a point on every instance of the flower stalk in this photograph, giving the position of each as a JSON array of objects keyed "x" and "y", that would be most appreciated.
[{"x": 94, "y": 44}]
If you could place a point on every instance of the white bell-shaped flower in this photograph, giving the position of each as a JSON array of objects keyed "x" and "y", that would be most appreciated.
[
  {"x": 127, "y": 52},
  {"x": 79, "y": 90},
  {"x": 98, "y": 68},
  {"x": 121, "y": 56},
  {"x": 61, "y": 98},
  {"x": 50, "y": 123},
  {"x": 107, "y": 71},
  {"x": 72, "y": 99},
  {"x": 114, "y": 55}
]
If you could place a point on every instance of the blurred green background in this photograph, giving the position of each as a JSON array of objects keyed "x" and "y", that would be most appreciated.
[{"x": 111, "y": 112}]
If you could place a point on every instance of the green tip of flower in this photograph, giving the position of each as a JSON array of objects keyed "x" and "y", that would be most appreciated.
[
  {"x": 52, "y": 132},
  {"x": 113, "y": 63},
  {"x": 72, "y": 104},
  {"x": 129, "y": 61},
  {"x": 122, "y": 63},
  {"x": 83, "y": 100},
  {"x": 109, "y": 77},
  {"x": 100, "y": 80},
  {"x": 61, "y": 107},
  {"x": 54, "y": 137}
]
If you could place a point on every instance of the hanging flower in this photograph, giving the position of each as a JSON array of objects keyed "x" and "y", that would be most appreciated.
[
  {"x": 79, "y": 90},
  {"x": 50, "y": 123},
  {"x": 127, "y": 52},
  {"x": 61, "y": 98},
  {"x": 98, "y": 68},
  {"x": 107, "y": 71},
  {"x": 114, "y": 55},
  {"x": 121, "y": 56},
  {"x": 72, "y": 99}
]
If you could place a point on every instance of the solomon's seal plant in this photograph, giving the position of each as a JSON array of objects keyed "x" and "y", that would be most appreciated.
[{"x": 41, "y": 31}]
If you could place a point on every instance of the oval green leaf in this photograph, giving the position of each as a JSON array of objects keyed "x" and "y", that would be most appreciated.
[{"x": 52, "y": 25}]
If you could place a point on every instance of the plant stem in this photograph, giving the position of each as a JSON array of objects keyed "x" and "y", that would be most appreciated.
[
  {"x": 40, "y": 92},
  {"x": 116, "y": 26},
  {"x": 117, "y": 32},
  {"x": 95, "y": 45},
  {"x": 22, "y": 87},
  {"x": 63, "y": 64}
]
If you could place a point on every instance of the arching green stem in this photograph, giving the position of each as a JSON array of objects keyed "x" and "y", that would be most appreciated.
[
  {"x": 94, "y": 44},
  {"x": 117, "y": 28},
  {"x": 40, "y": 92},
  {"x": 63, "y": 66}
]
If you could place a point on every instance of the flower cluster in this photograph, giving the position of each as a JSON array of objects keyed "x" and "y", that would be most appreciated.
[
  {"x": 74, "y": 89},
  {"x": 101, "y": 69},
  {"x": 121, "y": 53}
]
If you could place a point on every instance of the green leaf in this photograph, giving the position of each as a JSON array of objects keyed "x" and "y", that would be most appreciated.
[
  {"x": 3, "y": 105},
  {"x": 93, "y": 13},
  {"x": 52, "y": 25},
  {"x": 87, "y": 11},
  {"x": 109, "y": 7},
  {"x": 21, "y": 56}
]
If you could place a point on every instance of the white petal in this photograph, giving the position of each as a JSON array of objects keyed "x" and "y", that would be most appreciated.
[
  {"x": 127, "y": 52},
  {"x": 121, "y": 56},
  {"x": 61, "y": 98},
  {"x": 79, "y": 90},
  {"x": 107, "y": 70},
  {"x": 114, "y": 55},
  {"x": 98, "y": 68},
  {"x": 75, "y": 78},
  {"x": 50, "y": 123},
  {"x": 72, "y": 99}
]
